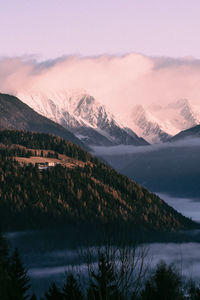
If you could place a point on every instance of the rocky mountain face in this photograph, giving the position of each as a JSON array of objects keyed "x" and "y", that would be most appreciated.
[
  {"x": 147, "y": 126},
  {"x": 80, "y": 113},
  {"x": 95, "y": 125},
  {"x": 158, "y": 123},
  {"x": 14, "y": 114}
]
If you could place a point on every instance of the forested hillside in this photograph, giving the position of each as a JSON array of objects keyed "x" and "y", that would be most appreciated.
[
  {"x": 88, "y": 192},
  {"x": 43, "y": 141}
]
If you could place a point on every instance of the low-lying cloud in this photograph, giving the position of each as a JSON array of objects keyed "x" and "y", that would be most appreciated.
[
  {"x": 119, "y": 82},
  {"x": 184, "y": 256},
  {"x": 129, "y": 149},
  {"x": 188, "y": 207}
]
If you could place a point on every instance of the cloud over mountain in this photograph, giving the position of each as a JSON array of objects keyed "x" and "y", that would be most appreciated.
[{"x": 120, "y": 82}]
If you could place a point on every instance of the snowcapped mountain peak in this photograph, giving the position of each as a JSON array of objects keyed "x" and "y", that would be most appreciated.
[
  {"x": 83, "y": 115},
  {"x": 145, "y": 124},
  {"x": 158, "y": 122}
]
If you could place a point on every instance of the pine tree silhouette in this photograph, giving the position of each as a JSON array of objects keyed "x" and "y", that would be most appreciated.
[
  {"x": 194, "y": 292},
  {"x": 103, "y": 284},
  {"x": 53, "y": 293},
  {"x": 71, "y": 289},
  {"x": 19, "y": 280},
  {"x": 165, "y": 284}
]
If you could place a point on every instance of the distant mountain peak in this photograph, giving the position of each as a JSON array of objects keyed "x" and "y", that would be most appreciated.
[
  {"x": 84, "y": 116},
  {"x": 157, "y": 123},
  {"x": 147, "y": 126}
]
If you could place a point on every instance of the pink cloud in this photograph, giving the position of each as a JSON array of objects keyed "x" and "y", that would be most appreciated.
[{"x": 119, "y": 82}]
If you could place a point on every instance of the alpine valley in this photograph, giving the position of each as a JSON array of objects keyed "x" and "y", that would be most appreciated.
[
  {"x": 99, "y": 150},
  {"x": 59, "y": 196}
]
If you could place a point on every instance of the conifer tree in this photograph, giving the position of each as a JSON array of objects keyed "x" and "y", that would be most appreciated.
[
  {"x": 53, "y": 293},
  {"x": 71, "y": 290},
  {"x": 103, "y": 284},
  {"x": 165, "y": 284},
  {"x": 194, "y": 292},
  {"x": 19, "y": 280}
]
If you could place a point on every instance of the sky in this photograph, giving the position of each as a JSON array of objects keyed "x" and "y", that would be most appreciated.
[
  {"x": 119, "y": 82},
  {"x": 52, "y": 28},
  {"x": 122, "y": 52}
]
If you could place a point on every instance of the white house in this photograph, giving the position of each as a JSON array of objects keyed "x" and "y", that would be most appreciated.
[
  {"x": 52, "y": 164},
  {"x": 44, "y": 166}
]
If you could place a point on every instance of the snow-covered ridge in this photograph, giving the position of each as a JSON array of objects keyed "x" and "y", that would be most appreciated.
[
  {"x": 83, "y": 115},
  {"x": 94, "y": 124},
  {"x": 157, "y": 123}
]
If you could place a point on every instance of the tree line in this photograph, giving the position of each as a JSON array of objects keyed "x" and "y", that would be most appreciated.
[
  {"x": 35, "y": 140},
  {"x": 104, "y": 283}
]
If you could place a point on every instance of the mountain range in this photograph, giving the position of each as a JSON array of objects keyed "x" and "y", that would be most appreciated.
[
  {"x": 14, "y": 114},
  {"x": 84, "y": 116},
  {"x": 83, "y": 120}
]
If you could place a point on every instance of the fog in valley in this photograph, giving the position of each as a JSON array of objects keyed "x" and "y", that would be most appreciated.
[{"x": 170, "y": 170}]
